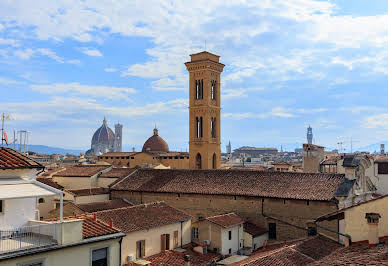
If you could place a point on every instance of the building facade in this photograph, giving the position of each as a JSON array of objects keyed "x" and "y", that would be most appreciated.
[{"x": 204, "y": 110}]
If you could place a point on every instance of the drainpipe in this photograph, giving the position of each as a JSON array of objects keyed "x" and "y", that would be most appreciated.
[
  {"x": 181, "y": 233},
  {"x": 335, "y": 232}
]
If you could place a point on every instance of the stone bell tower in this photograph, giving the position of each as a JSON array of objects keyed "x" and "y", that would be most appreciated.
[{"x": 205, "y": 108}]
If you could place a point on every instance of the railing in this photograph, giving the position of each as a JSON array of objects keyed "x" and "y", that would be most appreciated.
[{"x": 27, "y": 237}]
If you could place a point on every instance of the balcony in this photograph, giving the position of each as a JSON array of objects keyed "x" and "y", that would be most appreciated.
[{"x": 28, "y": 237}]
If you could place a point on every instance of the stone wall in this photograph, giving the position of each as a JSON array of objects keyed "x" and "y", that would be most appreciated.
[{"x": 296, "y": 212}]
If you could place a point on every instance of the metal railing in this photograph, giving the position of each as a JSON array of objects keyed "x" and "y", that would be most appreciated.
[{"x": 27, "y": 237}]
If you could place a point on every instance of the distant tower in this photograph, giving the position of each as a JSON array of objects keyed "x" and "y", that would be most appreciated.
[
  {"x": 229, "y": 148},
  {"x": 309, "y": 135},
  {"x": 204, "y": 110},
  {"x": 382, "y": 148},
  {"x": 118, "y": 138}
]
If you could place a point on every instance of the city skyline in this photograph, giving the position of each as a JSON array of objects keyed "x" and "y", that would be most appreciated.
[{"x": 318, "y": 63}]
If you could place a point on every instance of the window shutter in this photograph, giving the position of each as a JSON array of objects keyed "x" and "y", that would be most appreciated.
[
  {"x": 163, "y": 242},
  {"x": 143, "y": 248}
]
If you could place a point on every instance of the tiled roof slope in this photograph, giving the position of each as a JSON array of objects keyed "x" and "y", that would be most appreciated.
[
  {"x": 88, "y": 191},
  {"x": 50, "y": 182},
  {"x": 144, "y": 216},
  {"x": 175, "y": 258},
  {"x": 308, "y": 186},
  {"x": 304, "y": 252},
  {"x": 81, "y": 170},
  {"x": 254, "y": 229},
  {"x": 92, "y": 228},
  {"x": 117, "y": 173},
  {"x": 11, "y": 159},
  {"x": 103, "y": 205},
  {"x": 226, "y": 220}
]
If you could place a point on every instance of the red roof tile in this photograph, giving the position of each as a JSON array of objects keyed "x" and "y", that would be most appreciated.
[
  {"x": 88, "y": 191},
  {"x": 103, "y": 205},
  {"x": 82, "y": 170},
  {"x": 288, "y": 185},
  {"x": 117, "y": 173},
  {"x": 144, "y": 216},
  {"x": 11, "y": 159},
  {"x": 226, "y": 220},
  {"x": 92, "y": 228},
  {"x": 174, "y": 258},
  {"x": 254, "y": 229},
  {"x": 50, "y": 182}
]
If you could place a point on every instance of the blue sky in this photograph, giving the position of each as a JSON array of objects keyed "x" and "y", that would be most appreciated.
[{"x": 66, "y": 64}]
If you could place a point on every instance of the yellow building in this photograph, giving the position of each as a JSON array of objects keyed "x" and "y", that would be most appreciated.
[
  {"x": 283, "y": 167},
  {"x": 204, "y": 108}
]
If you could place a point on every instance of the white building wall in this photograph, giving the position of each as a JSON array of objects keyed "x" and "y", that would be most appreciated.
[
  {"x": 235, "y": 243},
  {"x": 17, "y": 212},
  {"x": 259, "y": 241}
]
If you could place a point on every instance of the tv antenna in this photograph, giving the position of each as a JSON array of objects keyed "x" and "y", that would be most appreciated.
[{"x": 4, "y": 137}]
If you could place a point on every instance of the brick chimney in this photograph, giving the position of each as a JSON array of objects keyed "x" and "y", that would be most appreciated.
[
  {"x": 187, "y": 260},
  {"x": 373, "y": 231}
]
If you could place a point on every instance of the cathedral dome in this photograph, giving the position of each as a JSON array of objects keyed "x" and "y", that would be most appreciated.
[
  {"x": 155, "y": 144},
  {"x": 103, "y": 135}
]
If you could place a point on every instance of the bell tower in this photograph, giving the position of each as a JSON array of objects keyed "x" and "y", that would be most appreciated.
[{"x": 204, "y": 108}]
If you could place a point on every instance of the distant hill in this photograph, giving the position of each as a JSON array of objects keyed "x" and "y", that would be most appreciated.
[
  {"x": 49, "y": 150},
  {"x": 374, "y": 147}
]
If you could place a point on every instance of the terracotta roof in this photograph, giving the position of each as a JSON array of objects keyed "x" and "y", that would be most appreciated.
[
  {"x": 11, "y": 159},
  {"x": 92, "y": 228},
  {"x": 300, "y": 253},
  {"x": 155, "y": 143},
  {"x": 144, "y": 216},
  {"x": 103, "y": 205},
  {"x": 175, "y": 258},
  {"x": 254, "y": 229},
  {"x": 226, "y": 220},
  {"x": 82, "y": 170},
  {"x": 50, "y": 182},
  {"x": 288, "y": 185},
  {"x": 118, "y": 154},
  {"x": 88, "y": 191},
  {"x": 117, "y": 173}
]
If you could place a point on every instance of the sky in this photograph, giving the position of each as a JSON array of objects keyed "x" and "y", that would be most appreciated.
[{"x": 66, "y": 64}]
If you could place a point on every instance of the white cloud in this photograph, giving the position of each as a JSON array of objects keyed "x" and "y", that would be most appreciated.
[
  {"x": 6, "y": 81},
  {"x": 74, "y": 61},
  {"x": 110, "y": 69},
  {"x": 91, "y": 52},
  {"x": 24, "y": 54},
  {"x": 10, "y": 42},
  {"x": 49, "y": 53},
  {"x": 109, "y": 92}
]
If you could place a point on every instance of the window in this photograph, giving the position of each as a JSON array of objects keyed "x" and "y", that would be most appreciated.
[
  {"x": 284, "y": 201},
  {"x": 41, "y": 200},
  {"x": 215, "y": 163},
  {"x": 230, "y": 235},
  {"x": 39, "y": 262},
  {"x": 312, "y": 231},
  {"x": 57, "y": 205},
  {"x": 254, "y": 246},
  {"x": 165, "y": 242},
  {"x": 198, "y": 161},
  {"x": 194, "y": 233},
  {"x": 213, "y": 90},
  {"x": 140, "y": 249},
  {"x": 1, "y": 206},
  {"x": 100, "y": 257},
  {"x": 307, "y": 202},
  {"x": 213, "y": 127},
  {"x": 199, "y": 89},
  {"x": 271, "y": 230},
  {"x": 230, "y": 251},
  {"x": 199, "y": 127}
]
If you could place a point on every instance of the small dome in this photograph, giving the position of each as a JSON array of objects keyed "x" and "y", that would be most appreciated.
[
  {"x": 103, "y": 135},
  {"x": 155, "y": 143}
]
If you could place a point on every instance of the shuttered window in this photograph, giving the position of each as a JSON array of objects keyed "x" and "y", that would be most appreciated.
[{"x": 140, "y": 249}]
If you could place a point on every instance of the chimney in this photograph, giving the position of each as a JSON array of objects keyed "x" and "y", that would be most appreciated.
[
  {"x": 187, "y": 260},
  {"x": 110, "y": 223},
  {"x": 95, "y": 216},
  {"x": 373, "y": 232}
]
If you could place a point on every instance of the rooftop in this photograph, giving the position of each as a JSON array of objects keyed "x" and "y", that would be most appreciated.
[
  {"x": 102, "y": 205},
  {"x": 81, "y": 170},
  {"x": 88, "y": 191},
  {"x": 117, "y": 173},
  {"x": 286, "y": 185},
  {"x": 142, "y": 217},
  {"x": 254, "y": 229},
  {"x": 50, "y": 182},
  {"x": 11, "y": 159},
  {"x": 226, "y": 220}
]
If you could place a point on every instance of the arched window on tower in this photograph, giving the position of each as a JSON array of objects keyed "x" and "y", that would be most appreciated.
[
  {"x": 198, "y": 161},
  {"x": 213, "y": 127},
  {"x": 213, "y": 90},
  {"x": 199, "y": 131},
  {"x": 214, "y": 161},
  {"x": 199, "y": 89}
]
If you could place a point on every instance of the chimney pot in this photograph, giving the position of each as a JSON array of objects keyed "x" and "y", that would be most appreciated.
[
  {"x": 95, "y": 216},
  {"x": 373, "y": 231},
  {"x": 110, "y": 223},
  {"x": 187, "y": 260}
]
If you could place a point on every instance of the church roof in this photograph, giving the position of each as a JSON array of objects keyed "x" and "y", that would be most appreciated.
[
  {"x": 155, "y": 144},
  {"x": 104, "y": 134}
]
